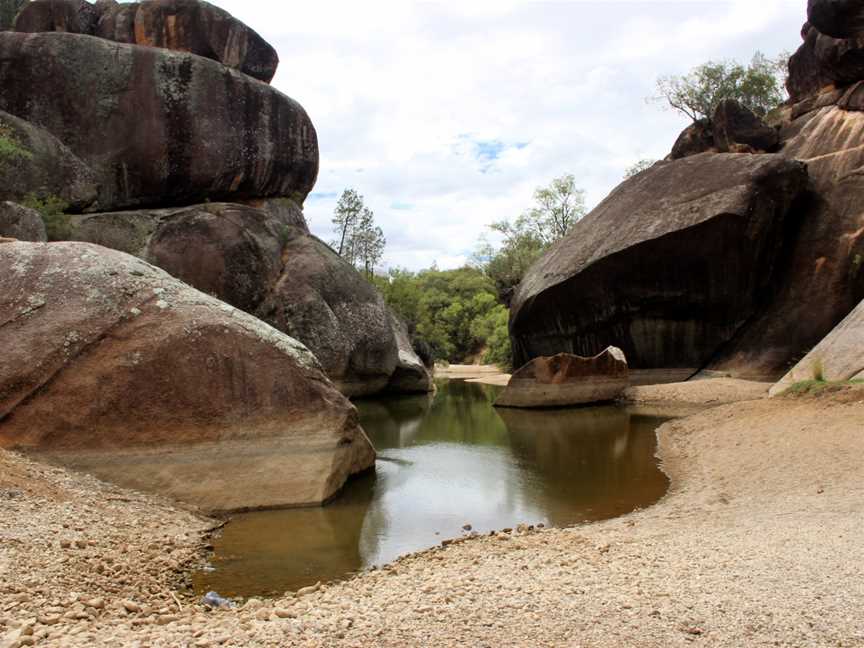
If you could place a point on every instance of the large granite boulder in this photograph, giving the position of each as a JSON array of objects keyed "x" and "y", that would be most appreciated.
[
  {"x": 837, "y": 18},
  {"x": 806, "y": 75},
  {"x": 73, "y": 16},
  {"x": 697, "y": 138},
  {"x": 261, "y": 258},
  {"x": 109, "y": 362},
  {"x": 737, "y": 126},
  {"x": 21, "y": 223},
  {"x": 839, "y": 357},
  {"x": 566, "y": 380},
  {"x": 35, "y": 164},
  {"x": 669, "y": 268},
  {"x": 190, "y": 26},
  {"x": 159, "y": 127}
]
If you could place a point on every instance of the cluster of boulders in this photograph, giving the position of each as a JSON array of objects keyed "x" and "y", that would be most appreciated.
[
  {"x": 150, "y": 128},
  {"x": 738, "y": 253}
]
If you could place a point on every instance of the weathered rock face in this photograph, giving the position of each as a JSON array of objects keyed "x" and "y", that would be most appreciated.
[
  {"x": 73, "y": 16},
  {"x": 838, "y": 357},
  {"x": 322, "y": 300},
  {"x": 191, "y": 26},
  {"x": 106, "y": 355},
  {"x": 20, "y": 223},
  {"x": 669, "y": 268},
  {"x": 411, "y": 375},
  {"x": 37, "y": 164},
  {"x": 564, "y": 380},
  {"x": 158, "y": 127},
  {"x": 806, "y": 76},
  {"x": 736, "y": 126},
  {"x": 696, "y": 138},
  {"x": 837, "y": 18},
  {"x": 263, "y": 260}
]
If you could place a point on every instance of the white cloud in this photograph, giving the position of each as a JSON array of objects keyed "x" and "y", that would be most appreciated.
[{"x": 401, "y": 94}]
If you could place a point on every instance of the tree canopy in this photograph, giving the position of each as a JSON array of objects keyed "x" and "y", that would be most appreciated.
[
  {"x": 358, "y": 239},
  {"x": 759, "y": 86}
]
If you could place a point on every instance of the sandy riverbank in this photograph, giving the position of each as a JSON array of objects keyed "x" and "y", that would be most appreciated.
[
  {"x": 483, "y": 374},
  {"x": 757, "y": 544}
]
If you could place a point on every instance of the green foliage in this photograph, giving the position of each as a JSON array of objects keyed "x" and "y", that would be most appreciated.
[
  {"x": 359, "y": 241},
  {"x": 451, "y": 311},
  {"x": 10, "y": 148},
  {"x": 638, "y": 167},
  {"x": 759, "y": 86},
  {"x": 52, "y": 209},
  {"x": 495, "y": 330},
  {"x": 818, "y": 386}
]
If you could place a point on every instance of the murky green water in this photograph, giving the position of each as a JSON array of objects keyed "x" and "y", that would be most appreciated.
[{"x": 446, "y": 461}]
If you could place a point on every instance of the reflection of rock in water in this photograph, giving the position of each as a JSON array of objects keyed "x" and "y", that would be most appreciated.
[
  {"x": 277, "y": 551},
  {"x": 394, "y": 423},
  {"x": 594, "y": 460}
]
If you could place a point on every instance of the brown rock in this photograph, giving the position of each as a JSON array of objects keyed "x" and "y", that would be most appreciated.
[
  {"x": 837, "y": 18},
  {"x": 113, "y": 367},
  {"x": 564, "y": 380},
  {"x": 191, "y": 26},
  {"x": 411, "y": 375},
  {"x": 20, "y": 223},
  {"x": 669, "y": 267},
  {"x": 37, "y": 164},
  {"x": 73, "y": 16},
  {"x": 736, "y": 126},
  {"x": 696, "y": 138},
  {"x": 159, "y": 127},
  {"x": 839, "y": 357},
  {"x": 806, "y": 76}
]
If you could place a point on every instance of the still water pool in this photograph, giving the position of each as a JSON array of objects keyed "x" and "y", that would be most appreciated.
[{"x": 445, "y": 461}]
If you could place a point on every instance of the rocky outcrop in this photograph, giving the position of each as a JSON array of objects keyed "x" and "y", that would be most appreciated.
[
  {"x": 159, "y": 128},
  {"x": 837, "y": 18},
  {"x": 411, "y": 375},
  {"x": 736, "y": 126},
  {"x": 35, "y": 164},
  {"x": 105, "y": 355},
  {"x": 839, "y": 357},
  {"x": 565, "y": 380},
  {"x": 21, "y": 223},
  {"x": 263, "y": 260},
  {"x": 180, "y": 25},
  {"x": 697, "y": 138},
  {"x": 669, "y": 268}
]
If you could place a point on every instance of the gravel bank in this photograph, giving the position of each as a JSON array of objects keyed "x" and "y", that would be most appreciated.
[{"x": 757, "y": 544}]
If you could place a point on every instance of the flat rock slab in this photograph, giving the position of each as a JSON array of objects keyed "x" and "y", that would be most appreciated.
[{"x": 564, "y": 380}]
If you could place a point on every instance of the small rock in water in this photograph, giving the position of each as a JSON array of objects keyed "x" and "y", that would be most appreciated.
[
  {"x": 467, "y": 527},
  {"x": 213, "y": 600}
]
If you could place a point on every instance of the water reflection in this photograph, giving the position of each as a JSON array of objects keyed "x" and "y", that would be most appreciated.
[{"x": 446, "y": 461}]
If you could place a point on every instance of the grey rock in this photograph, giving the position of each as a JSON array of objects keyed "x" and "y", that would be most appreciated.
[{"x": 21, "y": 223}]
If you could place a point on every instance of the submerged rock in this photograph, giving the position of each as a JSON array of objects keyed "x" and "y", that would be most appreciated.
[
  {"x": 839, "y": 357},
  {"x": 159, "y": 128},
  {"x": 669, "y": 268},
  {"x": 114, "y": 367},
  {"x": 21, "y": 223},
  {"x": 566, "y": 379}
]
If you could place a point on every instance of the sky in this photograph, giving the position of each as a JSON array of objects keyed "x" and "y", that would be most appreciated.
[{"x": 446, "y": 116}]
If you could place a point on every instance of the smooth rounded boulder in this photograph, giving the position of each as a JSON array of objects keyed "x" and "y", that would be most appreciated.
[
  {"x": 21, "y": 223},
  {"x": 159, "y": 127},
  {"x": 669, "y": 268},
  {"x": 73, "y": 16},
  {"x": 111, "y": 365},
  {"x": 191, "y": 26},
  {"x": 35, "y": 165}
]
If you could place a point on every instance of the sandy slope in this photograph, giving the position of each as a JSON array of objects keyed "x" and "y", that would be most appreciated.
[{"x": 759, "y": 543}]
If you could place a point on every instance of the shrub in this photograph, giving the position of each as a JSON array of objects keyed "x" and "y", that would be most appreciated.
[
  {"x": 10, "y": 148},
  {"x": 52, "y": 209}
]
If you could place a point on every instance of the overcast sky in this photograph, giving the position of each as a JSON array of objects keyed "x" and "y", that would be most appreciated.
[{"x": 446, "y": 116}]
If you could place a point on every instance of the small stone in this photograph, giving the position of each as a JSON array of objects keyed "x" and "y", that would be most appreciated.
[
  {"x": 303, "y": 591},
  {"x": 131, "y": 607},
  {"x": 284, "y": 614},
  {"x": 96, "y": 603},
  {"x": 467, "y": 527}
]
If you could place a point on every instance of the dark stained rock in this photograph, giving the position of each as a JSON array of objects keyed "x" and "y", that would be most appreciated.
[
  {"x": 669, "y": 268},
  {"x": 841, "y": 60},
  {"x": 564, "y": 380},
  {"x": 696, "y": 138},
  {"x": 837, "y": 18},
  {"x": 735, "y": 124},
  {"x": 191, "y": 26},
  {"x": 839, "y": 357},
  {"x": 820, "y": 279},
  {"x": 37, "y": 164},
  {"x": 323, "y": 301},
  {"x": 411, "y": 375},
  {"x": 73, "y": 16},
  {"x": 159, "y": 127},
  {"x": 109, "y": 358},
  {"x": 21, "y": 223},
  {"x": 806, "y": 76}
]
